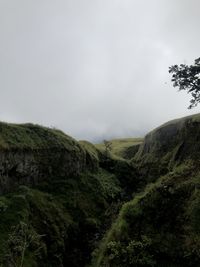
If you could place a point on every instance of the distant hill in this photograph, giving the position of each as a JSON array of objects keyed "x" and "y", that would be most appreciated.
[{"x": 123, "y": 147}]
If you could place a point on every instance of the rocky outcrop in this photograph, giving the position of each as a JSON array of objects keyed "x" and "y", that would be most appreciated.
[
  {"x": 131, "y": 151},
  {"x": 31, "y": 167},
  {"x": 168, "y": 146},
  {"x": 160, "y": 225},
  {"x": 57, "y": 190},
  {"x": 30, "y": 154}
]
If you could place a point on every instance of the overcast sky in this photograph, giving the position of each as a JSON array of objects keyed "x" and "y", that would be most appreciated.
[{"x": 95, "y": 68}]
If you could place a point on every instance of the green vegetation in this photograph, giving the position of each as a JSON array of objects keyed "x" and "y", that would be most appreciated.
[
  {"x": 42, "y": 219},
  {"x": 68, "y": 203},
  {"x": 91, "y": 149},
  {"x": 157, "y": 228},
  {"x": 187, "y": 77},
  {"x": 19, "y": 240},
  {"x": 64, "y": 212},
  {"x": 92, "y": 154},
  {"x": 119, "y": 147},
  {"x": 168, "y": 146},
  {"x": 31, "y": 136}
]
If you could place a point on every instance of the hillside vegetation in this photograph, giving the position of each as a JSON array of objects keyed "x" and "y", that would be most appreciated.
[
  {"x": 31, "y": 136},
  {"x": 160, "y": 225},
  {"x": 124, "y": 147},
  {"x": 59, "y": 194},
  {"x": 68, "y": 203}
]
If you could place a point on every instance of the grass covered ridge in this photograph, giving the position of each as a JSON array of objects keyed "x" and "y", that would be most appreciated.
[{"x": 31, "y": 136}]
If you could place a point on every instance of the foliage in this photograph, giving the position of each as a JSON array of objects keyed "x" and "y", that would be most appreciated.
[
  {"x": 92, "y": 154},
  {"x": 91, "y": 149},
  {"x": 108, "y": 147},
  {"x": 31, "y": 221},
  {"x": 69, "y": 219},
  {"x": 21, "y": 238},
  {"x": 69, "y": 216},
  {"x": 121, "y": 146},
  {"x": 135, "y": 253},
  {"x": 31, "y": 136},
  {"x": 187, "y": 77},
  {"x": 159, "y": 226}
]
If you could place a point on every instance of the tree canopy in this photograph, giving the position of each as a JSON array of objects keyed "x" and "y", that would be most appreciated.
[{"x": 187, "y": 77}]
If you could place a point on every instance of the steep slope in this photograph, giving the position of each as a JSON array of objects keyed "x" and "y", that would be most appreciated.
[
  {"x": 160, "y": 226},
  {"x": 61, "y": 196},
  {"x": 57, "y": 194},
  {"x": 169, "y": 145},
  {"x": 30, "y": 153},
  {"x": 93, "y": 155}
]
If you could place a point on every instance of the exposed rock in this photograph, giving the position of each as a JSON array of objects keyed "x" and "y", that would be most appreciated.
[
  {"x": 30, "y": 154},
  {"x": 169, "y": 145}
]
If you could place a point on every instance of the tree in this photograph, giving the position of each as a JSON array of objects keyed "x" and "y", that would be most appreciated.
[
  {"x": 19, "y": 241},
  {"x": 108, "y": 146},
  {"x": 187, "y": 77}
]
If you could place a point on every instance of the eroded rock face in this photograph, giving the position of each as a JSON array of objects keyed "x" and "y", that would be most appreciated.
[
  {"x": 31, "y": 167},
  {"x": 17, "y": 168},
  {"x": 30, "y": 154},
  {"x": 168, "y": 145}
]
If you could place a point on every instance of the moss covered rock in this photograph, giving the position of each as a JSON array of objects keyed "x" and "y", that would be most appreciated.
[
  {"x": 169, "y": 145},
  {"x": 30, "y": 154}
]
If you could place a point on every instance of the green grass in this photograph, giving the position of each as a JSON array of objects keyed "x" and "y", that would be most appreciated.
[
  {"x": 73, "y": 212},
  {"x": 31, "y": 136},
  {"x": 119, "y": 146},
  {"x": 178, "y": 122},
  {"x": 66, "y": 211},
  {"x": 87, "y": 194},
  {"x": 160, "y": 215},
  {"x": 47, "y": 217},
  {"x": 90, "y": 148}
]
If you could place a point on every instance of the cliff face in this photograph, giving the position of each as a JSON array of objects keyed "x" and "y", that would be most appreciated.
[
  {"x": 30, "y": 167},
  {"x": 169, "y": 145},
  {"x": 160, "y": 225},
  {"x": 57, "y": 190},
  {"x": 31, "y": 154},
  {"x": 71, "y": 193}
]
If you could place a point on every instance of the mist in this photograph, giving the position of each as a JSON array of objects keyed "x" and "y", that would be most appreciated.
[{"x": 96, "y": 68}]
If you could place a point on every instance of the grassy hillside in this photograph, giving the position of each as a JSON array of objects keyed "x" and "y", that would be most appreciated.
[
  {"x": 168, "y": 146},
  {"x": 65, "y": 216},
  {"x": 180, "y": 121},
  {"x": 160, "y": 225},
  {"x": 136, "y": 206},
  {"x": 58, "y": 194},
  {"x": 32, "y": 136},
  {"x": 119, "y": 147}
]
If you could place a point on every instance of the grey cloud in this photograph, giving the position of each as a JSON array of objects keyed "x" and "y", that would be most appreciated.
[{"x": 95, "y": 68}]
